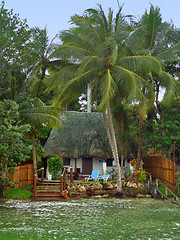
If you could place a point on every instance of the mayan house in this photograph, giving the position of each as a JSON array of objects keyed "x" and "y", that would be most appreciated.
[{"x": 82, "y": 143}]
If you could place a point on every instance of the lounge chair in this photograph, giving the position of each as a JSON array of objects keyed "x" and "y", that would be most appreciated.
[
  {"x": 104, "y": 177},
  {"x": 93, "y": 177}
]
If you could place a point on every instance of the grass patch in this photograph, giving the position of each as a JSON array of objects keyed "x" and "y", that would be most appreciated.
[
  {"x": 19, "y": 193},
  {"x": 162, "y": 190}
]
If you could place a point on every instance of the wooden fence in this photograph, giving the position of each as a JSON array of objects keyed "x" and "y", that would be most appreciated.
[
  {"x": 161, "y": 168},
  {"x": 24, "y": 175}
]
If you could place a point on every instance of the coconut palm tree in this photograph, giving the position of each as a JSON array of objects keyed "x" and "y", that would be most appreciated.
[
  {"x": 98, "y": 53},
  {"x": 153, "y": 35}
]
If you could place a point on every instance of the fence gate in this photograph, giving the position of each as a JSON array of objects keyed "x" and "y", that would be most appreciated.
[{"x": 161, "y": 168}]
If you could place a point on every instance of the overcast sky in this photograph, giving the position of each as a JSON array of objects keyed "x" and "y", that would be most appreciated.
[{"x": 55, "y": 14}]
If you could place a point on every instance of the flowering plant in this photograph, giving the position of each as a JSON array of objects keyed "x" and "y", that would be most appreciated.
[
  {"x": 140, "y": 174},
  {"x": 133, "y": 163}
]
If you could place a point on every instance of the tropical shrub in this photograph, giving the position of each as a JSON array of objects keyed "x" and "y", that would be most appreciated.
[{"x": 55, "y": 166}]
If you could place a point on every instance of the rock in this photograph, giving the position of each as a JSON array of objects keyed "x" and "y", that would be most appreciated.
[
  {"x": 82, "y": 188},
  {"x": 134, "y": 185},
  {"x": 95, "y": 186},
  {"x": 140, "y": 195},
  {"x": 128, "y": 184},
  {"x": 98, "y": 196},
  {"x": 140, "y": 185},
  {"x": 115, "y": 185},
  {"x": 108, "y": 186},
  {"x": 105, "y": 196}
]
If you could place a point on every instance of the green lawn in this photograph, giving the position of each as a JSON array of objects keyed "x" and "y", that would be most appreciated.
[{"x": 20, "y": 193}]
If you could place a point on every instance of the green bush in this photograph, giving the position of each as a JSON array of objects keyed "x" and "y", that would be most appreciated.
[{"x": 55, "y": 166}]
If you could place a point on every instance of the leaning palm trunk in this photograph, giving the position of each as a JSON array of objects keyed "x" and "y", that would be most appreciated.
[{"x": 113, "y": 144}]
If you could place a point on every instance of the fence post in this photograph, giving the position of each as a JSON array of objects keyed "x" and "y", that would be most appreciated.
[
  {"x": 157, "y": 183},
  {"x": 65, "y": 194},
  {"x": 166, "y": 191},
  {"x": 150, "y": 178},
  {"x": 64, "y": 176},
  {"x": 71, "y": 174},
  {"x": 61, "y": 186},
  {"x": 42, "y": 174},
  {"x": 35, "y": 190}
]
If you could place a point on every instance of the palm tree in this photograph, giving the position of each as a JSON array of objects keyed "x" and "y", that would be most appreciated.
[
  {"x": 153, "y": 35},
  {"x": 98, "y": 54}
]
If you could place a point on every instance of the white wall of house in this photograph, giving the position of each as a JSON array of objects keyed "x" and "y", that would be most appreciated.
[
  {"x": 79, "y": 163},
  {"x": 98, "y": 165}
]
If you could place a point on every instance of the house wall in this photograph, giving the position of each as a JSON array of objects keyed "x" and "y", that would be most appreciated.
[
  {"x": 98, "y": 165},
  {"x": 79, "y": 163}
]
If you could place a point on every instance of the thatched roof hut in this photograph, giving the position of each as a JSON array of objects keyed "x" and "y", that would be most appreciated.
[{"x": 83, "y": 135}]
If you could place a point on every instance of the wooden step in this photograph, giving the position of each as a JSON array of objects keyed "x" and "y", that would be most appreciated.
[
  {"x": 57, "y": 194},
  {"x": 48, "y": 184},
  {"x": 48, "y": 187}
]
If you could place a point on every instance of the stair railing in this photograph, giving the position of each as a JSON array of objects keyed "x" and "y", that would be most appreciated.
[
  {"x": 156, "y": 189},
  {"x": 63, "y": 184}
]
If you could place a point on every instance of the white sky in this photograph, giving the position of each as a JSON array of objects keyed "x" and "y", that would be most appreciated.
[{"x": 55, "y": 14}]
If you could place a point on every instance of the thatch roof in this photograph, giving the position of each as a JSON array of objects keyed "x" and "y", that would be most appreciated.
[{"x": 84, "y": 135}]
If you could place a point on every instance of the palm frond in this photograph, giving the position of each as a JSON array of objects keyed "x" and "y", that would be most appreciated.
[
  {"x": 171, "y": 54},
  {"x": 107, "y": 90},
  {"x": 141, "y": 64},
  {"x": 89, "y": 62},
  {"x": 73, "y": 53},
  {"x": 64, "y": 86},
  {"x": 171, "y": 86},
  {"x": 151, "y": 22},
  {"x": 88, "y": 24},
  {"x": 126, "y": 80},
  {"x": 60, "y": 77},
  {"x": 39, "y": 114}
]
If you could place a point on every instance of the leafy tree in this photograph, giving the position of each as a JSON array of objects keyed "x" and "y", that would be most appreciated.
[
  {"x": 98, "y": 53},
  {"x": 164, "y": 135},
  {"x": 19, "y": 52},
  {"x": 15, "y": 146},
  {"x": 22, "y": 49}
]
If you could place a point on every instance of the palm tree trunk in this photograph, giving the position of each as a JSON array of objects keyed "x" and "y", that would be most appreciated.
[
  {"x": 140, "y": 143},
  {"x": 122, "y": 150},
  {"x": 113, "y": 144},
  {"x": 122, "y": 163}
]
